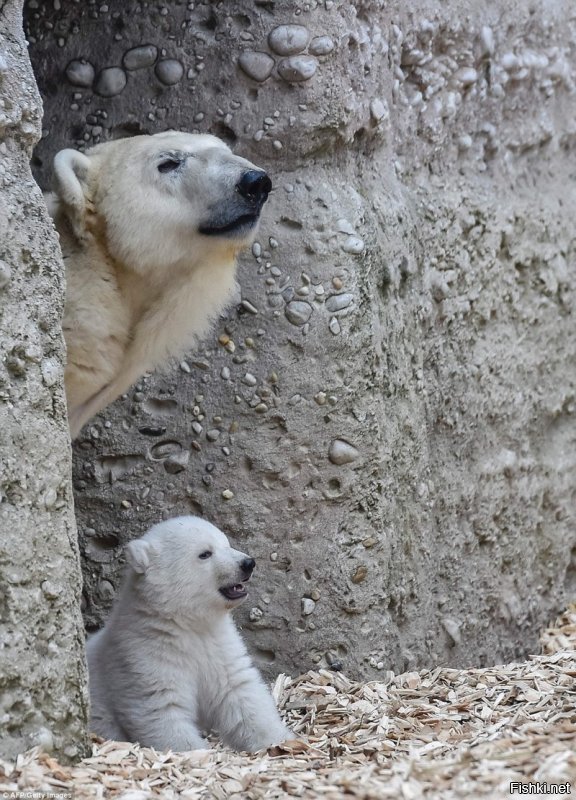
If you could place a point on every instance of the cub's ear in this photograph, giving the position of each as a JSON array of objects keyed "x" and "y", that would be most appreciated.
[
  {"x": 71, "y": 169},
  {"x": 138, "y": 554}
]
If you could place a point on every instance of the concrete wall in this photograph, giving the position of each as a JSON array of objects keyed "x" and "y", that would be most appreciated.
[
  {"x": 386, "y": 417},
  {"x": 42, "y": 674}
]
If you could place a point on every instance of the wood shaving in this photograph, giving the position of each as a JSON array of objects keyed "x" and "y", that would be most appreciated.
[{"x": 443, "y": 734}]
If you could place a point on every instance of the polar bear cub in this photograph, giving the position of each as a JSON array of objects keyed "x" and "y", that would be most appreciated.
[
  {"x": 150, "y": 228},
  {"x": 169, "y": 661}
]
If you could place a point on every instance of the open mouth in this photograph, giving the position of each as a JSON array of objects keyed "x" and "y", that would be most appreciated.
[
  {"x": 237, "y": 591},
  {"x": 242, "y": 223}
]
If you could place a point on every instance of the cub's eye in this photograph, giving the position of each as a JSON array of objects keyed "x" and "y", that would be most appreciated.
[
  {"x": 169, "y": 165},
  {"x": 205, "y": 554}
]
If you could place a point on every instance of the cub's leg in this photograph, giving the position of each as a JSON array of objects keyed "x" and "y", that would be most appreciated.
[
  {"x": 167, "y": 730},
  {"x": 246, "y": 717}
]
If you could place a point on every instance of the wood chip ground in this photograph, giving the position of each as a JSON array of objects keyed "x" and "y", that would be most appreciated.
[{"x": 442, "y": 734}]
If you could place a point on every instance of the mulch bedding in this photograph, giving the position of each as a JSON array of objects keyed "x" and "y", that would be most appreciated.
[{"x": 445, "y": 733}]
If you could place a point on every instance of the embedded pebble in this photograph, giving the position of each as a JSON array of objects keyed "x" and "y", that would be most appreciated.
[
  {"x": 249, "y": 306},
  {"x": 344, "y": 226},
  {"x": 256, "y": 249},
  {"x": 169, "y": 71},
  {"x": 354, "y": 245},
  {"x": 249, "y": 379},
  {"x": 50, "y": 498},
  {"x": 5, "y": 274},
  {"x": 227, "y": 494},
  {"x": 510, "y": 61},
  {"x": 185, "y": 367},
  {"x": 359, "y": 574},
  {"x": 297, "y": 68},
  {"x": 321, "y": 46},
  {"x": 466, "y": 76},
  {"x": 452, "y": 628},
  {"x": 341, "y": 452},
  {"x": 320, "y": 398},
  {"x": 307, "y": 605},
  {"x": 196, "y": 427},
  {"x": 487, "y": 40},
  {"x": 256, "y": 65},
  {"x": 110, "y": 82},
  {"x": 287, "y": 40},
  {"x": 377, "y": 110},
  {"x": 298, "y": 312},
  {"x": 106, "y": 590},
  {"x": 337, "y": 302},
  {"x": 334, "y": 326},
  {"x": 255, "y": 614},
  {"x": 337, "y": 283},
  {"x": 140, "y": 57},
  {"x": 225, "y": 373},
  {"x": 213, "y": 434},
  {"x": 336, "y": 664},
  {"x": 51, "y": 590},
  {"x": 51, "y": 371},
  {"x": 80, "y": 73},
  {"x": 177, "y": 463}
]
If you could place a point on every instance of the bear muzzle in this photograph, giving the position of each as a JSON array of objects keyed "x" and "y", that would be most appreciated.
[
  {"x": 238, "y": 215},
  {"x": 237, "y": 591},
  {"x": 255, "y": 186}
]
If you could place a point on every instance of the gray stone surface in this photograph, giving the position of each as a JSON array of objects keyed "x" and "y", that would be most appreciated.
[
  {"x": 42, "y": 674},
  {"x": 425, "y": 171}
]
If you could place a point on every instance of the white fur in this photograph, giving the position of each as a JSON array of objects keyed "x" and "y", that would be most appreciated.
[
  {"x": 142, "y": 283},
  {"x": 170, "y": 661}
]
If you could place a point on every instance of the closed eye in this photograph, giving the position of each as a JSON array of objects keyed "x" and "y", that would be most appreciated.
[
  {"x": 205, "y": 554},
  {"x": 169, "y": 165}
]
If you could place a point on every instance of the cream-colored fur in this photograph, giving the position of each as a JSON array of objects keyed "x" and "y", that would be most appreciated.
[
  {"x": 150, "y": 228},
  {"x": 170, "y": 662}
]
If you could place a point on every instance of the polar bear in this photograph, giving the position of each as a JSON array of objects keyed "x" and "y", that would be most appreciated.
[
  {"x": 150, "y": 228},
  {"x": 170, "y": 662}
]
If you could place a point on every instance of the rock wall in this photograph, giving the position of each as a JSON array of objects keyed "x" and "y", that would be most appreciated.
[
  {"x": 386, "y": 417},
  {"x": 42, "y": 674}
]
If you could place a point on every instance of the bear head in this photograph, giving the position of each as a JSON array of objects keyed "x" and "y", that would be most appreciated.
[
  {"x": 185, "y": 568},
  {"x": 161, "y": 201}
]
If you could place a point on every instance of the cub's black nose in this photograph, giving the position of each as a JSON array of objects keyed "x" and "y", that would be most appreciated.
[
  {"x": 254, "y": 185},
  {"x": 247, "y": 565}
]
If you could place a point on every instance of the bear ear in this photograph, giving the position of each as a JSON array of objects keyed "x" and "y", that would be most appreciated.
[
  {"x": 138, "y": 554},
  {"x": 71, "y": 169}
]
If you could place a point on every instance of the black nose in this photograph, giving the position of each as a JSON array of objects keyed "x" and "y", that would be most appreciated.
[
  {"x": 255, "y": 185},
  {"x": 247, "y": 565}
]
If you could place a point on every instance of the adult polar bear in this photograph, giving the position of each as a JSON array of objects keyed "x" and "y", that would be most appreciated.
[
  {"x": 169, "y": 662},
  {"x": 150, "y": 228}
]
